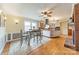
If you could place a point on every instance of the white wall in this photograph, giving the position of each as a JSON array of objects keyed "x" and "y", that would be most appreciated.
[{"x": 2, "y": 38}]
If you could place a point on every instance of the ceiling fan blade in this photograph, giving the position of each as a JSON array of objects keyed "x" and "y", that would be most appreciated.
[
  {"x": 50, "y": 12},
  {"x": 49, "y": 15},
  {"x": 42, "y": 12}
]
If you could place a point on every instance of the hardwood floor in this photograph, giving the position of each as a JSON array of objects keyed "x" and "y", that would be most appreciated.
[
  {"x": 55, "y": 46},
  {"x": 6, "y": 48}
]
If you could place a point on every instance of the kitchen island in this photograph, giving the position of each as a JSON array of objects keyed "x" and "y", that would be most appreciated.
[{"x": 51, "y": 33}]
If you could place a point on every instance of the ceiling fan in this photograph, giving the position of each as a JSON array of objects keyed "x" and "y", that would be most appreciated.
[{"x": 48, "y": 12}]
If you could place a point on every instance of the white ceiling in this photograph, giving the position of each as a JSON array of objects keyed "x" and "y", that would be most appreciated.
[{"x": 33, "y": 10}]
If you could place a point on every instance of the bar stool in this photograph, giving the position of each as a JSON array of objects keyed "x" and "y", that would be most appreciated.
[
  {"x": 21, "y": 33},
  {"x": 37, "y": 34},
  {"x": 26, "y": 36}
]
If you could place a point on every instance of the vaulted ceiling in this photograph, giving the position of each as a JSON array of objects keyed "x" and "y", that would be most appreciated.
[{"x": 33, "y": 10}]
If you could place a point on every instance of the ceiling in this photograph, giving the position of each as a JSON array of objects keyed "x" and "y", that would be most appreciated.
[{"x": 33, "y": 10}]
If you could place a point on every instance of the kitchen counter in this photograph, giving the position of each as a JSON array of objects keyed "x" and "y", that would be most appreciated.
[{"x": 51, "y": 33}]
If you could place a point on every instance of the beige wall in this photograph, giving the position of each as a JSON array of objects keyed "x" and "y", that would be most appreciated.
[
  {"x": 11, "y": 26},
  {"x": 64, "y": 27}
]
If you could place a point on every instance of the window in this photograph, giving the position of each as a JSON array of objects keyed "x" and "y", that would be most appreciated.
[
  {"x": 27, "y": 25},
  {"x": 30, "y": 25},
  {"x": 34, "y": 24}
]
